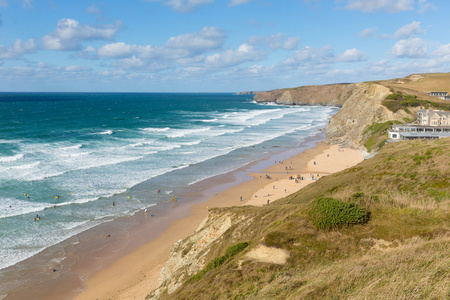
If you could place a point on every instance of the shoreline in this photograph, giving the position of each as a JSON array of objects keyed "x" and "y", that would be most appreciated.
[
  {"x": 136, "y": 274},
  {"x": 78, "y": 258}
]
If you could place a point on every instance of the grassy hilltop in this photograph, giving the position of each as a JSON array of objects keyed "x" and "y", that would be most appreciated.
[{"x": 399, "y": 248}]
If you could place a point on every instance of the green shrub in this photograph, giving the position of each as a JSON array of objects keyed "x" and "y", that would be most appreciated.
[
  {"x": 328, "y": 213},
  {"x": 396, "y": 101}
]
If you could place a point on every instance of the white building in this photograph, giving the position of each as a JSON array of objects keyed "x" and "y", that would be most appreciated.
[
  {"x": 441, "y": 95},
  {"x": 429, "y": 117}
]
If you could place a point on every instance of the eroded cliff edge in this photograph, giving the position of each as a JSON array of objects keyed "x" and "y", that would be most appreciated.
[{"x": 360, "y": 102}]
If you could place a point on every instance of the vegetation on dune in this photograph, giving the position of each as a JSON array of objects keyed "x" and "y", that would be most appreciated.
[{"x": 336, "y": 250}]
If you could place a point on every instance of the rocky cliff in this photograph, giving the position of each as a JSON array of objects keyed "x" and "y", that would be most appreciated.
[
  {"x": 361, "y": 109},
  {"x": 360, "y": 102},
  {"x": 331, "y": 94}
]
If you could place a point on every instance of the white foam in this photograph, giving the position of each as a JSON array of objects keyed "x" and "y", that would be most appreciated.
[
  {"x": 74, "y": 147},
  {"x": 11, "y": 158},
  {"x": 210, "y": 120},
  {"x": 3, "y": 141},
  {"x": 152, "y": 129},
  {"x": 107, "y": 132},
  {"x": 16, "y": 207},
  {"x": 176, "y": 133}
]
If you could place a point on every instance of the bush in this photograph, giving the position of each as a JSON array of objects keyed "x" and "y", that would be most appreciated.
[{"x": 328, "y": 213}]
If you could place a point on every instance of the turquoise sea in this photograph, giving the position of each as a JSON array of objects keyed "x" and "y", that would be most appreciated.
[{"x": 66, "y": 157}]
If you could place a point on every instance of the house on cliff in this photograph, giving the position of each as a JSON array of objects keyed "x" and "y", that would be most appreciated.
[
  {"x": 432, "y": 124},
  {"x": 440, "y": 95},
  {"x": 430, "y": 117}
]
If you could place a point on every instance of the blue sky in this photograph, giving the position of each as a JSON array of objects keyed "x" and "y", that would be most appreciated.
[{"x": 216, "y": 45}]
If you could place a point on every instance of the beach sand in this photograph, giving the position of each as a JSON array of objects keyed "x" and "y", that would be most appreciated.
[{"x": 135, "y": 275}]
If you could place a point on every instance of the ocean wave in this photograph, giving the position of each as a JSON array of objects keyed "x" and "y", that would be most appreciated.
[
  {"x": 16, "y": 207},
  {"x": 106, "y": 132},
  {"x": 210, "y": 120},
  {"x": 177, "y": 133},
  {"x": 3, "y": 141},
  {"x": 153, "y": 129},
  {"x": 74, "y": 147},
  {"x": 11, "y": 158},
  {"x": 21, "y": 167}
]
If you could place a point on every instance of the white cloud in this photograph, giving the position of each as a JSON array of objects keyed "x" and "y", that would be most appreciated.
[
  {"x": 239, "y": 2},
  {"x": 69, "y": 34},
  {"x": 115, "y": 50},
  {"x": 209, "y": 38},
  {"x": 92, "y": 9},
  {"x": 244, "y": 53},
  {"x": 18, "y": 49},
  {"x": 351, "y": 55},
  {"x": 368, "y": 32},
  {"x": 443, "y": 50},
  {"x": 275, "y": 41},
  {"x": 183, "y": 5},
  {"x": 408, "y": 31},
  {"x": 424, "y": 6},
  {"x": 391, "y": 6},
  {"x": 310, "y": 56},
  {"x": 411, "y": 48}
]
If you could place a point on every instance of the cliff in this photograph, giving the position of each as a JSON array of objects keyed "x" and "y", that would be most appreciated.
[
  {"x": 361, "y": 107},
  {"x": 331, "y": 94}
]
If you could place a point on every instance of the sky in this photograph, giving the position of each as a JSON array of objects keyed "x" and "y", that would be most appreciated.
[{"x": 216, "y": 45}]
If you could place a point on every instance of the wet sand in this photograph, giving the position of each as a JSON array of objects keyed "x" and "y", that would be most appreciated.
[{"x": 136, "y": 274}]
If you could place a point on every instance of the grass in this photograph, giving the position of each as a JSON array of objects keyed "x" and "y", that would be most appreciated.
[
  {"x": 376, "y": 135},
  {"x": 400, "y": 252},
  {"x": 217, "y": 262},
  {"x": 398, "y": 100}
]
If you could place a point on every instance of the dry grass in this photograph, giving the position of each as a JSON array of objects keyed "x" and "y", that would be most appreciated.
[{"x": 401, "y": 253}]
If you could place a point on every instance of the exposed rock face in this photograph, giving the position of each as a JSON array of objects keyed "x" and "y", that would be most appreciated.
[
  {"x": 361, "y": 107},
  {"x": 332, "y": 94},
  {"x": 187, "y": 256}
]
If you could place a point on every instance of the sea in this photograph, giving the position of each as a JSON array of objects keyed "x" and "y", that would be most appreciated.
[{"x": 72, "y": 161}]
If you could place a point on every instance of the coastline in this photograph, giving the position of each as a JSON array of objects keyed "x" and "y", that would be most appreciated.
[
  {"x": 136, "y": 274},
  {"x": 78, "y": 258}
]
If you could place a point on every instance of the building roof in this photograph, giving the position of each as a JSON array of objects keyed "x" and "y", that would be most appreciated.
[{"x": 425, "y": 134}]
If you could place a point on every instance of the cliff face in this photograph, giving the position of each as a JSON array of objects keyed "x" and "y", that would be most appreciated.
[
  {"x": 189, "y": 256},
  {"x": 332, "y": 94},
  {"x": 361, "y": 107}
]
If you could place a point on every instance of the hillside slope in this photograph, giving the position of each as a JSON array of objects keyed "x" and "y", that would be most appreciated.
[{"x": 399, "y": 250}]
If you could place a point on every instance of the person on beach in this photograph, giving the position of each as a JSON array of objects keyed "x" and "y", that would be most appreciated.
[
  {"x": 241, "y": 198},
  {"x": 114, "y": 203}
]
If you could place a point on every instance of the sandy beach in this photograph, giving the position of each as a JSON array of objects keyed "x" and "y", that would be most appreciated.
[{"x": 135, "y": 275}]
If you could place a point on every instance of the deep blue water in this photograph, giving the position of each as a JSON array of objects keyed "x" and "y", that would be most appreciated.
[{"x": 62, "y": 155}]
